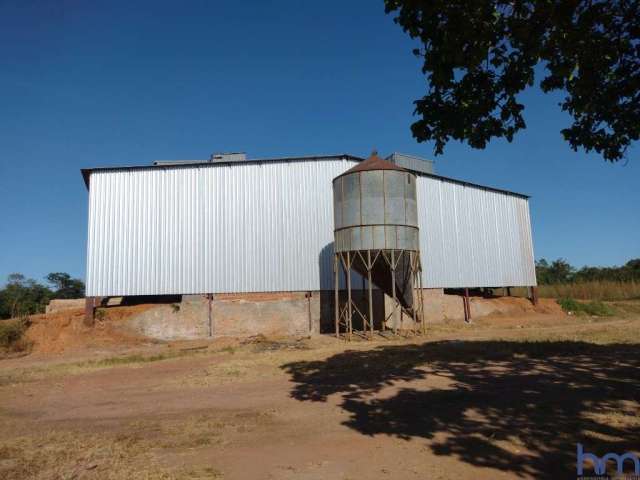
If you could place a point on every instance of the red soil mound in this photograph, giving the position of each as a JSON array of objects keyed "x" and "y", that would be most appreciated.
[{"x": 65, "y": 330}]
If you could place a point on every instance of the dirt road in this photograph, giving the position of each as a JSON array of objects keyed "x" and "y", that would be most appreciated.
[{"x": 504, "y": 398}]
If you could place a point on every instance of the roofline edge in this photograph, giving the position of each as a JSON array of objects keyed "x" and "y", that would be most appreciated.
[{"x": 86, "y": 172}]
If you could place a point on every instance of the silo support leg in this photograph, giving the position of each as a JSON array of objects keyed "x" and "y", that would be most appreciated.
[
  {"x": 369, "y": 282},
  {"x": 349, "y": 304},
  {"x": 336, "y": 295},
  {"x": 393, "y": 291},
  {"x": 414, "y": 281},
  {"x": 422, "y": 319}
]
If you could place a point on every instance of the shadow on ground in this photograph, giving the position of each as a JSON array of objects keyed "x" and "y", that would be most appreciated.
[{"x": 519, "y": 407}]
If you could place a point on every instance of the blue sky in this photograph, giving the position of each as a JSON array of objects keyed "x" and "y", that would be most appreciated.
[{"x": 116, "y": 83}]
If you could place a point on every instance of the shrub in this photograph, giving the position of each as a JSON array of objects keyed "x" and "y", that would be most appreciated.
[
  {"x": 12, "y": 333},
  {"x": 596, "y": 308}
]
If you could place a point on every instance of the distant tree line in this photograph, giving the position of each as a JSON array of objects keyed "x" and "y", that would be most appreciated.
[
  {"x": 25, "y": 296},
  {"x": 560, "y": 271}
]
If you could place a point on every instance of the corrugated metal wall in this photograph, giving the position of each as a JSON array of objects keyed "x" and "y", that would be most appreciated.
[
  {"x": 268, "y": 226},
  {"x": 471, "y": 237}
]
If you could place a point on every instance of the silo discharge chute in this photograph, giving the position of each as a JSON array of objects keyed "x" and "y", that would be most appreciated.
[{"x": 376, "y": 235}]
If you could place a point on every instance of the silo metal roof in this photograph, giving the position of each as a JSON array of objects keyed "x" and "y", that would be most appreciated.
[{"x": 374, "y": 162}]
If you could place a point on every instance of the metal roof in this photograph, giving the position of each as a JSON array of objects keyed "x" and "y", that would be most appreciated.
[
  {"x": 86, "y": 172},
  {"x": 374, "y": 162}
]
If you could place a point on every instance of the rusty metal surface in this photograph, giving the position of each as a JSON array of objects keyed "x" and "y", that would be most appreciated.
[
  {"x": 374, "y": 162},
  {"x": 375, "y": 209}
]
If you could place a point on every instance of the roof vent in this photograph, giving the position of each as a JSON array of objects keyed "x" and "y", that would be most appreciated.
[
  {"x": 412, "y": 162},
  {"x": 168, "y": 163},
  {"x": 228, "y": 157}
]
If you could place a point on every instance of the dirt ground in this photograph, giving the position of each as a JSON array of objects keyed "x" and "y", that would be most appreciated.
[{"x": 505, "y": 397}]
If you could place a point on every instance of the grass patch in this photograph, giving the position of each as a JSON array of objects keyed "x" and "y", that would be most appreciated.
[
  {"x": 606, "y": 291},
  {"x": 603, "y": 291},
  {"x": 35, "y": 373},
  {"x": 594, "y": 308},
  {"x": 628, "y": 308},
  {"x": 134, "y": 450},
  {"x": 129, "y": 359},
  {"x": 77, "y": 455}
]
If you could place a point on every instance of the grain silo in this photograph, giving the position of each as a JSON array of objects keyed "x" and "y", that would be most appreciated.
[{"x": 376, "y": 235}]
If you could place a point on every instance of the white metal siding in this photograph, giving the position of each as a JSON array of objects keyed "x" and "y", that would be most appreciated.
[
  {"x": 260, "y": 227},
  {"x": 472, "y": 237}
]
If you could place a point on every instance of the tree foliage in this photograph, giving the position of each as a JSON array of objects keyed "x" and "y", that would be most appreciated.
[
  {"x": 478, "y": 55},
  {"x": 64, "y": 286},
  {"x": 22, "y": 296},
  {"x": 560, "y": 271}
]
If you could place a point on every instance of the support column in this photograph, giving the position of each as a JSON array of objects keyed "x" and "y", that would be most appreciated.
[
  {"x": 534, "y": 295},
  {"x": 89, "y": 311},
  {"x": 467, "y": 307},
  {"x": 308, "y": 296},
  {"x": 210, "y": 313}
]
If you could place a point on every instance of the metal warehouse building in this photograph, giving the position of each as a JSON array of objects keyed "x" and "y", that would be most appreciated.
[{"x": 237, "y": 226}]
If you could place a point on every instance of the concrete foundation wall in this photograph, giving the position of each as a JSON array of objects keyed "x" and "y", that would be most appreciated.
[
  {"x": 186, "y": 319},
  {"x": 237, "y": 315},
  {"x": 266, "y": 313},
  {"x": 64, "y": 304},
  {"x": 298, "y": 313},
  {"x": 247, "y": 314}
]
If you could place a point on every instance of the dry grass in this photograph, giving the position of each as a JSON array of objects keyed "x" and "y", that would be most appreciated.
[
  {"x": 74, "y": 455},
  {"x": 29, "y": 374},
  {"x": 598, "y": 290},
  {"x": 106, "y": 456},
  {"x": 228, "y": 371},
  {"x": 135, "y": 450}
]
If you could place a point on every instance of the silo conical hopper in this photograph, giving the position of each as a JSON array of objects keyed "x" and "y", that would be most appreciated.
[{"x": 375, "y": 215}]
